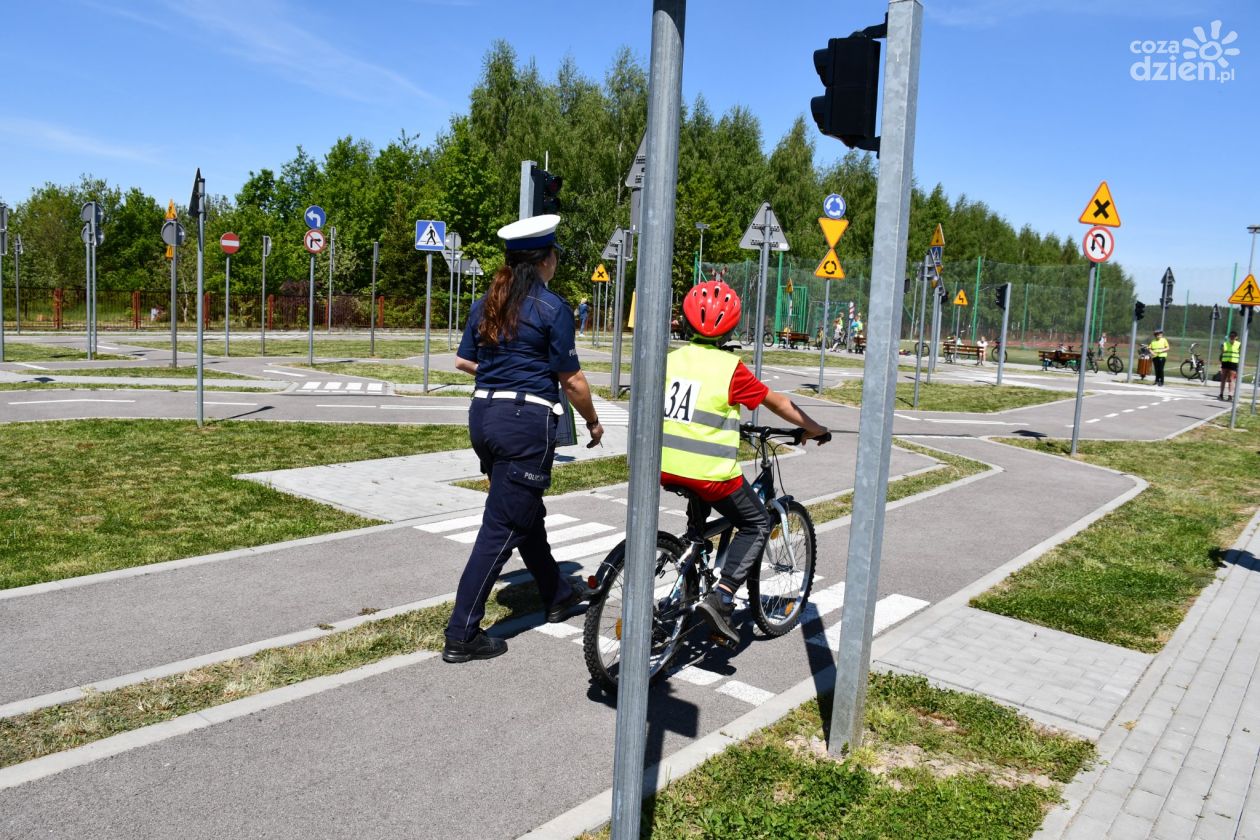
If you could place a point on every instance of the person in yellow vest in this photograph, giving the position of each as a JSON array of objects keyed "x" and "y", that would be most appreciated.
[
  {"x": 705, "y": 387},
  {"x": 1159, "y": 355},
  {"x": 1230, "y": 349}
]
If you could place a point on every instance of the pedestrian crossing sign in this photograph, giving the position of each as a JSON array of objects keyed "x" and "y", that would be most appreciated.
[
  {"x": 960, "y": 299},
  {"x": 1248, "y": 294},
  {"x": 430, "y": 235}
]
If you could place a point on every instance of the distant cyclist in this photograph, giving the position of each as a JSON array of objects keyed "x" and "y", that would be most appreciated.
[{"x": 704, "y": 390}]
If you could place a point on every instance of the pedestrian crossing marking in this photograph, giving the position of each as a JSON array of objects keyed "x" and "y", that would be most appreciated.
[
  {"x": 743, "y": 691},
  {"x": 344, "y": 387}
]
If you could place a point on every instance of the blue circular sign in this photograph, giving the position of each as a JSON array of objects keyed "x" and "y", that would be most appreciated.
[
  {"x": 315, "y": 216},
  {"x": 833, "y": 206}
]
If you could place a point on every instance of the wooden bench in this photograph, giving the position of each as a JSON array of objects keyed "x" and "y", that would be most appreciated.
[
  {"x": 858, "y": 344},
  {"x": 955, "y": 349},
  {"x": 790, "y": 339},
  {"x": 1058, "y": 358}
]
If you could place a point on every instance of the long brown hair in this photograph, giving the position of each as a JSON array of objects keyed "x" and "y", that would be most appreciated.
[{"x": 508, "y": 290}]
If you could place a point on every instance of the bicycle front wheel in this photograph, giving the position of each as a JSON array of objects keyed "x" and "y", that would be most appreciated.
[
  {"x": 1115, "y": 365},
  {"x": 1188, "y": 370},
  {"x": 674, "y": 595},
  {"x": 767, "y": 338},
  {"x": 779, "y": 586}
]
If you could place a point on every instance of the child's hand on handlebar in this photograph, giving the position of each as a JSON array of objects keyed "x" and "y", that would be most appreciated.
[{"x": 815, "y": 432}]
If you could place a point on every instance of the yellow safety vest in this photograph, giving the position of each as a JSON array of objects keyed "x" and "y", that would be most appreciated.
[
  {"x": 701, "y": 431},
  {"x": 1230, "y": 350},
  {"x": 1159, "y": 348}
]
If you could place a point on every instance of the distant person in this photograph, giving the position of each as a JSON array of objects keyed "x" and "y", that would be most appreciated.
[
  {"x": 1102, "y": 345},
  {"x": 1159, "y": 355},
  {"x": 153, "y": 314},
  {"x": 983, "y": 344},
  {"x": 837, "y": 334},
  {"x": 1230, "y": 349},
  {"x": 584, "y": 312}
]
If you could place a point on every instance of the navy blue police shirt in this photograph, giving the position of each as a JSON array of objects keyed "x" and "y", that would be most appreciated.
[{"x": 544, "y": 346}]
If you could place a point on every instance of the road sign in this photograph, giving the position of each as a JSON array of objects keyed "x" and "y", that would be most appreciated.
[
  {"x": 266, "y": 246},
  {"x": 833, "y": 229},
  {"x": 171, "y": 215},
  {"x": 614, "y": 243},
  {"x": 1101, "y": 209},
  {"x": 4, "y": 243},
  {"x": 314, "y": 240},
  {"x": 17, "y": 245},
  {"x": 938, "y": 237},
  {"x": 600, "y": 275},
  {"x": 430, "y": 235},
  {"x": 830, "y": 268},
  {"x": 960, "y": 299},
  {"x": 474, "y": 268},
  {"x": 834, "y": 207},
  {"x": 1099, "y": 243},
  {"x": 89, "y": 208},
  {"x": 195, "y": 207},
  {"x": 230, "y": 243},
  {"x": 86, "y": 234},
  {"x": 764, "y": 228},
  {"x": 1216, "y": 312},
  {"x": 1248, "y": 294},
  {"x": 936, "y": 252},
  {"x": 4, "y": 217},
  {"x": 172, "y": 234},
  {"x": 638, "y": 169},
  {"x": 315, "y": 216}
]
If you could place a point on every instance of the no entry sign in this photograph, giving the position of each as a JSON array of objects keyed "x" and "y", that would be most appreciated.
[{"x": 230, "y": 243}]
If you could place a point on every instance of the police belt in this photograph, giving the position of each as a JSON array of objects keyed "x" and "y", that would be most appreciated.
[{"x": 483, "y": 394}]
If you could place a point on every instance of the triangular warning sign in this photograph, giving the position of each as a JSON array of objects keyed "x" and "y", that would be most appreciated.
[
  {"x": 960, "y": 299},
  {"x": 764, "y": 229},
  {"x": 1248, "y": 294},
  {"x": 1101, "y": 209},
  {"x": 429, "y": 237},
  {"x": 938, "y": 237},
  {"x": 830, "y": 268},
  {"x": 170, "y": 252},
  {"x": 170, "y": 211},
  {"x": 833, "y": 229},
  {"x": 600, "y": 275}
]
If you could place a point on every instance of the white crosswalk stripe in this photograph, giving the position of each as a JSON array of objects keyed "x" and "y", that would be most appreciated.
[
  {"x": 611, "y": 414},
  {"x": 343, "y": 387}
]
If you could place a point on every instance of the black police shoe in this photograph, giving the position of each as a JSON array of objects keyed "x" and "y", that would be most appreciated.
[
  {"x": 718, "y": 615},
  {"x": 578, "y": 592},
  {"x": 480, "y": 646}
]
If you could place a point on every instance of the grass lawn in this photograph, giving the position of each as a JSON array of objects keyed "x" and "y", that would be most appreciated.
[
  {"x": 56, "y": 728},
  {"x": 15, "y": 351},
  {"x": 940, "y": 396},
  {"x": 1130, "y": 577},
  {"x": 148, "y": 372},
  {"x": 392, "y": 373},
  {"x": 790, "y": 358},
  {"x": 86, "y": 496},
  {"x": 354, "y": 348},
  {"x": 934, "y": 763}
]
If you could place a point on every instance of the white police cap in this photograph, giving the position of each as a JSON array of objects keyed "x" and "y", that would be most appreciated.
[{"x": 530, "y": 234}]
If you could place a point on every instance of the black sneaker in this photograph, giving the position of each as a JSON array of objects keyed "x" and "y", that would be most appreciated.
[
  {"x": 480, "y": 646},
  {"x": 718, "y": 615},
  {"x": 578, "y": 592}
]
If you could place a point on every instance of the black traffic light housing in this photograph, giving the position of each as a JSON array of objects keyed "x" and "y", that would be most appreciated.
[
  {"x": 546, "y": 191},
  {"x": 849, "y": 70},
  {"x": 999, "y": 296},
  {"x": 1139, "y": 310}
]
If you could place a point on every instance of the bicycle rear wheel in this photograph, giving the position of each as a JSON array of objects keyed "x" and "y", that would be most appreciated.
[
  {"x": 674, "y": 595},
  {"x": 1188, "y": 370},
  {"x": 767, "y": 338},
  {"x": 1114, "y": 364},
  {"x": 779, "y": 586}
]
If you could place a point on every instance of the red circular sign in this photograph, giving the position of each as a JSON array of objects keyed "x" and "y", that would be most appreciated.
[
  {"x": 1099, "y": 242},
  {"x": 230, "y": 243},
  {"x": 314, "y": 240}
]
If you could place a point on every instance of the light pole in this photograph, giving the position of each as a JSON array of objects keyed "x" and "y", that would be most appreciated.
[
  {"x": 1253, "y": 230},
  {"x": 702, "y": 227}
]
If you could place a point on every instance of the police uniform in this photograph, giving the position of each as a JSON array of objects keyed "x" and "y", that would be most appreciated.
[
  {"x": 1159, "y": 353},
  {"x": 512, "y": 421}
]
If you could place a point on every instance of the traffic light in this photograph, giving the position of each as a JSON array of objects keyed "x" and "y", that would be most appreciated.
[
  {"x": 546, "y": 191},
  {"x": 999, "y": 297},
  {"x": 1139, "y": 310},
  {"x": 849, "y": 70}
]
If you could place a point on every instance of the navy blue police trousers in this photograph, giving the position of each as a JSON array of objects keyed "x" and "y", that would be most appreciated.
[{"x": 516, "y": 442}]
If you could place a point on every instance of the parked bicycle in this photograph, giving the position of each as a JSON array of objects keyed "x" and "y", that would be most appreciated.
[
  {"x": 1091, "y": 361},
  {"x": 995, "y": 350},
  {"x": 750, "y": 337},
  {"x": 1193, "y": 367},
  {"x": 687, "y": 568},
  {"x": 1114, "y": 363}
]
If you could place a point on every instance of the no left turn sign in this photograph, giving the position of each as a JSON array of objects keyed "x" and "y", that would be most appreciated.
[
  {"x": 1099, "y": 243},
  {"x": 314, "y": 240}
]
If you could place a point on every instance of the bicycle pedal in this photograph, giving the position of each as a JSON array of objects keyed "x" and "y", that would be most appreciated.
[{"x": 721, "y": 641}]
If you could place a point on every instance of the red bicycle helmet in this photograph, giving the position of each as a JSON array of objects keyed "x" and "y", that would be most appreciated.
[{"x": 712, "y": 308}]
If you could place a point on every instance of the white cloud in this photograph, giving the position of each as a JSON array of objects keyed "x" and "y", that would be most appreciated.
[{"x": 49, "y": 135}]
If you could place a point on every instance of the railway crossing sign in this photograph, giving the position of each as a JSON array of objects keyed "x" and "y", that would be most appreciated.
[
  {"x": 230, "y": 243},
  {"x": 1101, "y": 209},
  {"x": 1099, "y": 243},
  {"x": 600, "y": 275},
  {"x": 315, "y": 217},
  {"x": 960, "y": 299},
  {"x": 430, "y": 235},
  {"x": 1248, "y": 294},
  {"x": 314, "y": 240}
]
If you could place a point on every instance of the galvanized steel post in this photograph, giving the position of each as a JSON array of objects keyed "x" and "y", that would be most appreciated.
[{"x": 1080, "y": 362}]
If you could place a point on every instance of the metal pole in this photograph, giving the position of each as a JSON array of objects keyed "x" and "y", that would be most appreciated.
[
  {"x": 1080, "y": 365},
  {"x": 822, "y": 345},
  {"x": 617, "y": 316},
  {"x": 1023, "y": 335},
  {"x": 332, "y": 257},
  {"x": 918, "y": 356},
  {"x": 1233, "y": 284},
  {"x": 652, "y": 339},
  {"x": 87, "y": 292},
  {"x": 1185, "y": 315},
  {"x": 1242, "y": 366},
  {"x": 174, "y": 301},
  {"x": 201, "y": 302},
  {"x": 2, "y": 306},
  {"x": 310, "y": 316},
  {"x": 1006, "y": 313},
  {"x": 459, "y": 287},
  {"x": 935, "y": 332},
  {"x": 450, "y": 290},
  {"x": 262, "y": 310},
  {"x": 428, "y": 313},
  {"x": 1132, "y": 349},
  {"x": 17, "y": 290},
  {"x": 975, "y": 301},
  {"x": 526, "y": 206},
  {"x": 879, "y": 387},
  {"x": 227, "y": 308},
  {"x": 1207, "y": 353},
  {"x": 376, "y": 258}
]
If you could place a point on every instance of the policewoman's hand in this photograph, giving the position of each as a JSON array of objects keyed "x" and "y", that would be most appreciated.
[{"x": 597, "y": 433}]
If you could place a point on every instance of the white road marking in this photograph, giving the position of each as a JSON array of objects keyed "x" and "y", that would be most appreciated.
[
  {"x": 696, "y": 676},
  {"x": 423, "y": 407},
  {"x": 285, "y": 373},
  {"x": 586, "y": 529},
  {"x": 888, "y": 611},
  {"x": 1094, "y": 420},
  {"x": 343, "y": 405},
  {"x": 469, "y": 537},
  {"x": 560, "y": 631},
  {"x": 208, "y": 402},
  {"x": 1140, "y": 407},
  {"x": 588, "y": 549},
  {"x": 375, "y": 386},
  {"x": 743, "y": 691},
  {"x": 1128, "y": 411},
  {"x": 309, "y": 386},
  {"x": 1113, "y": 414},
  {"x": 332, "y": 386},
  {"x": 83, "y": 400},
  {"x": 354, "y": 386},
  {"x": 106, "y": 347},
  {"x": 32, "y": 367},
  {"x": 450, "y": 524}
]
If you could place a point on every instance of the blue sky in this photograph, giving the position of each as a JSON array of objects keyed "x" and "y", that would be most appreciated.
[{"x": 1024, "y": 104}]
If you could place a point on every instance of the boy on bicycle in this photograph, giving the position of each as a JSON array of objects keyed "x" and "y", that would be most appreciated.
[{"x": 705, "y": 387}]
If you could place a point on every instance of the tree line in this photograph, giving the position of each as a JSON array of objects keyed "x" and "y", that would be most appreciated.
[{"x": 587, "y": 131}]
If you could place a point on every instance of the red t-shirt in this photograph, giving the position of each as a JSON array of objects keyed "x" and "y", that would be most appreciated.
[{"x": 745, "y": 390}]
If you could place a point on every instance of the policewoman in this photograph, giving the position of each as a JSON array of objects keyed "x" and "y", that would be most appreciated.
[
  {"x": 519, "y": 345},
  {"x": 1231, "y": 349},
  {"x": 1159, "y": 352}
]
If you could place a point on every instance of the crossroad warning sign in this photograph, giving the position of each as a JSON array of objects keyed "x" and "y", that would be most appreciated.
[
  {"x": 938, "y": 236},
  {"x": 1101, "y": 209},
  {"x": 960, "y": 299},
  {"x": 1248, "y": 294},
  {"x": 600, "y": 275}
]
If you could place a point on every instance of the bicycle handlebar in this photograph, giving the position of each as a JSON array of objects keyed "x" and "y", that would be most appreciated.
[{"x": 796, "y": 434}]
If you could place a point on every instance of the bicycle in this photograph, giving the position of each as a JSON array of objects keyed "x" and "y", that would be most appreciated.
[
  {"x": 997, "y": 348},
  {"x": 1114, "y": 363},
  {"x": 750, "y": 337},
  {"x": 1193, "y": 367},
  {"x": 687, "y": 569},
  {"x": 1090, "y": 360}
]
